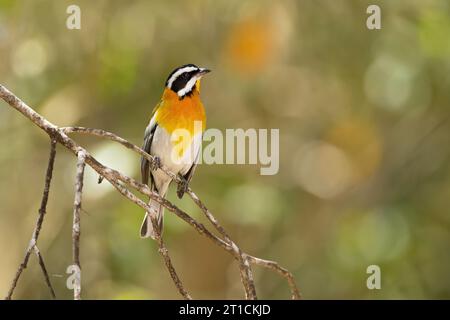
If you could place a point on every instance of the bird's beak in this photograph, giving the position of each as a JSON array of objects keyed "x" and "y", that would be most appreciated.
[{"x": 203, "y": 71}]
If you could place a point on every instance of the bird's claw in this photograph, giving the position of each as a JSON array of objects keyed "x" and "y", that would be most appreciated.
[
  {"x": 182, "y": 187},
  {"x": 155, "y": 164}
]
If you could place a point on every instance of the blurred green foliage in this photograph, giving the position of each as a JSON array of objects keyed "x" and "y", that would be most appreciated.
[{"x": 364, "y": 143}]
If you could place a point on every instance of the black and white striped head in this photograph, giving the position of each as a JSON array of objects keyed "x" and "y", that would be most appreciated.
[{"x": 183, "y": 79}]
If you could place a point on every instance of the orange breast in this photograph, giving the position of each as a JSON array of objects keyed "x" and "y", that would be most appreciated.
[{"x": 174, "y": 113}]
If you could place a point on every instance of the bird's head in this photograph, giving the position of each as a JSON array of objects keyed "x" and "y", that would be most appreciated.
[{"x": 185, "y": 80}]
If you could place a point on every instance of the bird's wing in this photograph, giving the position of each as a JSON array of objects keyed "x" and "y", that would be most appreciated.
[
  {"x": 188, "y": 176},
  {"x": 148, "y": 138}
]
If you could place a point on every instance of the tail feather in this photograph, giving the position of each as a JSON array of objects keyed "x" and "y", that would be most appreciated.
[{"x": 157, "y": 211}]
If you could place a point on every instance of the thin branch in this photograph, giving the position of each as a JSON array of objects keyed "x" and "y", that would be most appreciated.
[
  {"x": 44, "y": 271},
  {"x": 228, "y": 244},
  {"x": 162, "y": 248},
  {"x": 272, "y": 265},
  {"x": 37, "y": 229},
  {"x": 116, "y": 178},
  {"x": 113, "y": 137},
  {"x": 244, "y": 267},
  {"x": 173, "y": 274},
  {"x": 113, "y": 175},
  {"x": 81, "y": 157},
  {"x": 246, "y": 274}
]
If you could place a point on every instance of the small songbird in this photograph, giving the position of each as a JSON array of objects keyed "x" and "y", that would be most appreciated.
[{"x": 180, "y": 109}]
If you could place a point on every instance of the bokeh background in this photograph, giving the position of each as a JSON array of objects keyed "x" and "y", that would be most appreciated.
[{"x": 364, "y": 143}]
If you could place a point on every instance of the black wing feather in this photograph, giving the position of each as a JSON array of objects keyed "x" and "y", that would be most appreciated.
[{"x": 145, "y": 164}]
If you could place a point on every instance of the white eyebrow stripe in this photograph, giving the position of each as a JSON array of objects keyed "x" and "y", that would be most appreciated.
[
  {"x": 177, "y": 73},
  {"x": 188, "y": 87}
]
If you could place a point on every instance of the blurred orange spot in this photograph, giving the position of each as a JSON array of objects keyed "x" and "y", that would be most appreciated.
[
  {"x": 361, "y": 142},
  {"x": 250, "y": 45}
]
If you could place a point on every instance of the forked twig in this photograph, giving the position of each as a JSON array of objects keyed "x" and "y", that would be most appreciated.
[
  {"x": 37, "y": 229},
  {"x": 162, "y": 248},
  {"x": 272, "y": 265},
  {"x": 119, "y": 181}
]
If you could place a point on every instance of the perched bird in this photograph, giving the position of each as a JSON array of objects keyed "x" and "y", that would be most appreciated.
[{"x": 180, "y": 107}]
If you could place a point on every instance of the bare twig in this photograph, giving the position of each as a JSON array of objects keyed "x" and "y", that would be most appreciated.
[
  {"x": 162, "y": 248},
  {"x": 81, "y": 157},
  {"x": 37, "y": 229},
  {"x": 176, "y": 280},
  {"x": 44, "y": 271},
  {"x": 116, "y": 178},
  {"x": 113, "y": 137},
  {"x": 244, "y": 267},
  {"x": 272, "y": 265}
]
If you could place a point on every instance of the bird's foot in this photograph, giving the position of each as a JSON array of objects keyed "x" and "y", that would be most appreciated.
[
  {"x": 182, "y": 187},
  {"x": 155, "y": 164}
]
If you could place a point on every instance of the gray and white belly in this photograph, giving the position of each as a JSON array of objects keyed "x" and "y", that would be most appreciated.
[{"x": 169, "y": 153}]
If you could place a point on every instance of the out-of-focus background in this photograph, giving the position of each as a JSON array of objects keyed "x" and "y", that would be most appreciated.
[{"x": 364, "y": 143}]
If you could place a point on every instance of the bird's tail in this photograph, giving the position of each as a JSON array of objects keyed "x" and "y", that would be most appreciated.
[{"x": 157, "y": 211}]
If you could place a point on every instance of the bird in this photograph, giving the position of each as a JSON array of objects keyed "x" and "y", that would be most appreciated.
[{"x": 178, "y": 111}]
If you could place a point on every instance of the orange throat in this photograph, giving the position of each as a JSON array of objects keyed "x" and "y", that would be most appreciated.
[{"x": 175, "y": 113}]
